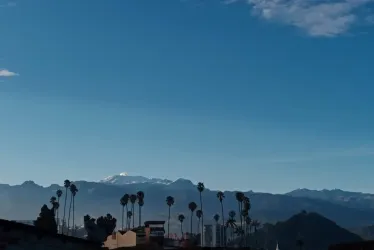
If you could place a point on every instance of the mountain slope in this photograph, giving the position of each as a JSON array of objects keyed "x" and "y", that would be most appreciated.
[
  {"x": 23, "y": 202},
  {"x": 316, "y": 232},
  {"x": 346, "y": 198}
]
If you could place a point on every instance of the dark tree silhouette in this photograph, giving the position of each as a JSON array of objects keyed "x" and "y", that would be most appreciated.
[
  {"x": 181, "y": 219},
  {"x": 59, "y": 194},
  {"x": 201, "y": 188},
  {"x": 192, "y": 207},
  {"x": 169, "y": 202},
  {"x": 46, "y": 220},
  {"x": 67, "y": 184}
]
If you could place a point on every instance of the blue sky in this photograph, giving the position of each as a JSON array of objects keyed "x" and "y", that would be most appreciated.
[{"x": 267, "y": 95}]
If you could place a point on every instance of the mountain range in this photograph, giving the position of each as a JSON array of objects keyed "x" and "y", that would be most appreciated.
[{"x": 347, "y": 209}]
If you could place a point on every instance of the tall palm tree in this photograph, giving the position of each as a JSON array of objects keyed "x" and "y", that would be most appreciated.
[
  {"x": 67, "y": 184},
  {"x": 59, "y": 194},
  {"x": 221, "y": 196},
  {"x": 170, "y": 202},
  {"x": 123, "y": 201},
  {"x": 192, "y": 207},
  {"x": 200, "y": 188},
  {"x": 245, "y": 214},
  {"x": 126, "y": 198},
  {"x": 239, "y": 198},
  {"x": 140, "y": 195},
  {"x": 133, "y": 201},
  {"x": 181, "y": 219},
  {"x": 129, "y": 215},
  {"x": 199, "y": 215},
  {"x": 74, "y": 191}
]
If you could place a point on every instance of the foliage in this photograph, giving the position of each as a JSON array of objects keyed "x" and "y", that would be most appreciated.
[{"x": 46, "y": 220}]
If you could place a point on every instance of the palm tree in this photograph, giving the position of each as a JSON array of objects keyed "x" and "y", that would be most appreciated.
[
  {"x": 192, "y": 207},
  {"x": 129, "y": 215},
  {"x": 221, "y": 196},
  {"x": 52, "y": 200},
  {"x": 239, "y": 198},
  {"x": 199, "y": 214},
  {"x": 200, "y": 188},
  {"x": 59, "y": 194},
  {"x": 123, "y": 201},
  {"x": 140, "y": 195},
  {"x": 133, "y": 200},
  {"x": 216, "y": 219},
  {"x": 67, "y": 184},
  {"x": 181, "y": 219},
  {"x": 74, "y": 191},
  {"x": 169, "y": 202},
  {"x": 126, "y": 198},
  {"x": 245, "y": 214}
]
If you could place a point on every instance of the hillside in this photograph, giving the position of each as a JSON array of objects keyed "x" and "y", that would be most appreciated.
[{"x": 316, "y": 232}]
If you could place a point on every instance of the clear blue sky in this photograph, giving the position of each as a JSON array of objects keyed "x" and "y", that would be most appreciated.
[{"x": 240, "y": 96}]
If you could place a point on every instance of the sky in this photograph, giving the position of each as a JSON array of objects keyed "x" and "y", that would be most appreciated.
[{"x": 263, "y": 95}]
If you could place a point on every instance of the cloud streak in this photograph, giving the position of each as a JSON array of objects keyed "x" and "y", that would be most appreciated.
[
  {"x": 327, "y": 18},
  {"x": 7, "y": 73}
]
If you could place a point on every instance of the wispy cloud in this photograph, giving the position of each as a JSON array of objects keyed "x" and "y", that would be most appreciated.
[
  {"x": 8, "y": 4},
  {"x": 7, "y": 73},
  {"x": 327, "y": 18}
]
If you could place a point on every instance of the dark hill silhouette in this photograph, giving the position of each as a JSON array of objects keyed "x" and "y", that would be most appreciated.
[{"x": 315, "y": 231}]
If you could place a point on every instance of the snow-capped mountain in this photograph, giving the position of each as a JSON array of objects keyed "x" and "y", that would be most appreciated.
[{"x": 124, "y": 179}]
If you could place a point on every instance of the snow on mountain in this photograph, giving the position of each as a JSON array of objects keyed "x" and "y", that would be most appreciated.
[{"x": 124, "y": 179}]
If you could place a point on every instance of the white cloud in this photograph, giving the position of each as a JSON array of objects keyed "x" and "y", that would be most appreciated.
[
  {"x": 7, "y": 73},
  {"x": 316, "y": 17}
]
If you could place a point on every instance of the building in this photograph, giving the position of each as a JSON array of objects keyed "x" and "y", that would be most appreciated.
[
  {"x": 154, "y": 232},
  {"x": 215, "y": 235}
]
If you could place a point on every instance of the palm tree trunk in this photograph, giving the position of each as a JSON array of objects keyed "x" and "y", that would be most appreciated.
[
  {"x": 222, "y": 229},
  {"x": 63, "y": 218},
  {"x": 140, "y": 216},
  {"x": 198, "y": 227},
  {"x": 71, "y": 199},
  {"x": 57, "y": 220},
  {"x": 182, "y": 229},
  {"x": 202, "y": 220},
  {"x": 73, "y": 231},
  {"x": 127, "y": 218},
  {"x": 169, "y": 223},
  {"x": 123, "y": 214},
  {"x": 133, "y": 216},
  {"x": 191, "y": 224}
]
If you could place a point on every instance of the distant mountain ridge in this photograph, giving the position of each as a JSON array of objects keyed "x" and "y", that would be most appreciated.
[
  {"x": 350, "y": 199},
  {"x": 98, "y": 198},
  {"x": 124, "y": 179}
]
